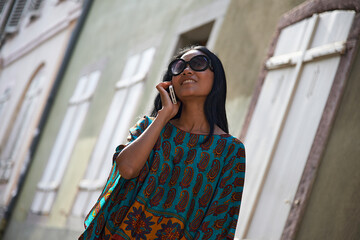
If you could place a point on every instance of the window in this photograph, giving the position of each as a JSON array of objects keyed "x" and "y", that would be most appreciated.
[
  {"x": 200, "y": 27},
  {"x": 34, "y": 8},
  {"x": 64, "y": 144},
  {"x": 286, "y": 118},
  {"x": 5, "y": 10},
  {"x": 114, "y": 131},
  {"x": 13, "y": 22},
  {"x": 2, "y": 5},
  {"x": 11, "y": 159},
  {"x": 197, "y": 36}
]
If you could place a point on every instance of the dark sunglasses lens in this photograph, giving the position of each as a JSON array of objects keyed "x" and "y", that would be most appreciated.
[
  {"x": 177, "y": 67},
  {"x": 199, "y": 63}
]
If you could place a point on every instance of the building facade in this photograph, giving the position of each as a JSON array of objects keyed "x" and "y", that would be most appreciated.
[
  {"x": 287, "y": 100},
  {"x": 34, "y": 36}
]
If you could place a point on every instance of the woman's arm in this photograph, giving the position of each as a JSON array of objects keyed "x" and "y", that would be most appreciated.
[{"x": 132, "y": 158}]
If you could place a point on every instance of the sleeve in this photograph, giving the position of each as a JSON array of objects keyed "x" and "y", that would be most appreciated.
[
  {"x": 221, "y": 218},
  {"x": 134, "y": 133},
  {"x": 114, "y": 176}
]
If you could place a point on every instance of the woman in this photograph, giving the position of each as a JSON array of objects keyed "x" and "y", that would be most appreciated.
[{"x": 182, "y": 174}]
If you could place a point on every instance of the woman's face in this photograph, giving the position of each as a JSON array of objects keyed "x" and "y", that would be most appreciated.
[{"x": 193, "y": 84}]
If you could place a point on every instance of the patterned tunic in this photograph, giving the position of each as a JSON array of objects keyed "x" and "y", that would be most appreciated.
[{"x": 186, "y": 190}]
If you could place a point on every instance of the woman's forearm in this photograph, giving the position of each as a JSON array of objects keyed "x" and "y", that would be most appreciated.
[{"x": 132, "y": 158}]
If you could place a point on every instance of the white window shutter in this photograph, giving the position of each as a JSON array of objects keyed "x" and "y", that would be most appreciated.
[
  {"x": 134, "y": 94},
  {"x": 114, "y": 130},
  {"x": 2, "y": 5},
  {"x": 61, "y": 153},
  {"x": 279, "y": 141},
  {"x": 129, "y": 71},
  {"x": 144, "y": 65}
]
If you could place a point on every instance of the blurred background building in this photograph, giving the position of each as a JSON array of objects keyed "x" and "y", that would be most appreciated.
[
  {"x": 34, "y": 36},
  {"x": 75, "y": 75}
]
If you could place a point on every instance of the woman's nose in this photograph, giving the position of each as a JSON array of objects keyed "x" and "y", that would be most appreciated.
[{"x": 187, "y": 69}]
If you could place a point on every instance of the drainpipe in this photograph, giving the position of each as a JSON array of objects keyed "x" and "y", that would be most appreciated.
[{"x": 45, "y": 115}]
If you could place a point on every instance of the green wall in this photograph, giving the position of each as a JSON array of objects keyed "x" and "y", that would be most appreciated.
[{"x": 243, "y": 43}]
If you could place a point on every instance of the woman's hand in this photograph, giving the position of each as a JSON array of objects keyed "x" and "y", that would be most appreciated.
[
  {"x": 132, "y": 158},
  {"x": 168, "y": 110}
]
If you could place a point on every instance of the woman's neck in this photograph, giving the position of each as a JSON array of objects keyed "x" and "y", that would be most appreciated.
[{"x": 193, "y": 119}]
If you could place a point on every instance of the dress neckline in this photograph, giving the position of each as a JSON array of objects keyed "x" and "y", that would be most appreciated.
[{"x": 199, "y": 134}]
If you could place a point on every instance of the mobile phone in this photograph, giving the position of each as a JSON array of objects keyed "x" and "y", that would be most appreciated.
[{"x": 172, "y": 94}]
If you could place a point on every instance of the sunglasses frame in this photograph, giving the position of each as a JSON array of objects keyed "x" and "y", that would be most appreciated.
[{"x": 208, "y": 65}]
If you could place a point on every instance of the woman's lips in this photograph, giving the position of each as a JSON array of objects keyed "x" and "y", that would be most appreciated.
[{"x": 187, "y": 81}]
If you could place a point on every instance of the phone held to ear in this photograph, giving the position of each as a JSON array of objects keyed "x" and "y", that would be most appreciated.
[{"x": 172, "y": 94}]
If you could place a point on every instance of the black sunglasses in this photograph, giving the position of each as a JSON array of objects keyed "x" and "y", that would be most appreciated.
[{"x": 198, "y": 63}]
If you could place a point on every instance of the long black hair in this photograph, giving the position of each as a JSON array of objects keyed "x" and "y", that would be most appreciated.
[{"x": 214, "y": 106}]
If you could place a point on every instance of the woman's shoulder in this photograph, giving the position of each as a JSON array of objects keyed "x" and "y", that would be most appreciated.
[
  {"x": 146, "y": 118},
  {"x": 144, "y": 121},
  {"x": 233, "y": 140},
  {"x": 139, "y": 127},
  {"x": 219, "y": 131},
  {"x": 239, "y": 148},
  {"x": 234, "y": 143}
]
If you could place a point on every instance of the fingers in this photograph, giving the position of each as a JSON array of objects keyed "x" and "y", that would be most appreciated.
[
  {"x": 165, "y": 98},
  {"x": 163, "y": 85},
  {"x": 169, "y": 110}
]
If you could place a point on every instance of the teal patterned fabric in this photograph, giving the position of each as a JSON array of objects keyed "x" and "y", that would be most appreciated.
[{"x": 186, "y": 190}]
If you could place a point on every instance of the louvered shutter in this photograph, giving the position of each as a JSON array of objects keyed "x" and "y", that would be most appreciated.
[
  {"x": 2, "y": 5},
  {"x": 13, "y": 23}
]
